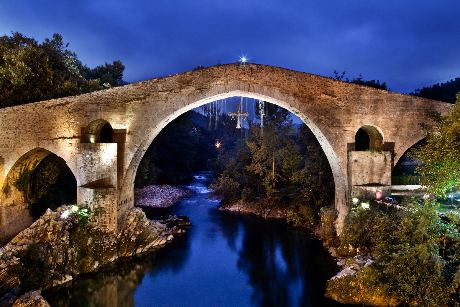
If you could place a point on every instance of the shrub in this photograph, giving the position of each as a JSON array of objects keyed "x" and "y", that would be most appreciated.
[
  {"x": 300, "y": 215},
  {"x": 328, "y": 216},
  {"x": 414, "y": 249},
  {"x": 227, "y": 188}
]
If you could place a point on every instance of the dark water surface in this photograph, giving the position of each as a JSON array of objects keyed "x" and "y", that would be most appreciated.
[{"x": 224, "y": 260}]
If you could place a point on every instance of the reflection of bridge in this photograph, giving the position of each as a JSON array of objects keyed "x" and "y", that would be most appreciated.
[{"x": 103, "y": 135}]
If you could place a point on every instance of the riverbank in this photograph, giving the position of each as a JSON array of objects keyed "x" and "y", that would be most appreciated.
[
  {"x": 159, "y": 196},
  {"x": 348, "y": 286},
  {"x": 242, "y": 207},
  {"x": 62, "y": 244}
]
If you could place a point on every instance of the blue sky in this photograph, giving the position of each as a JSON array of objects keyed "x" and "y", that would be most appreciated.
[{"x": 407, "y": 43}]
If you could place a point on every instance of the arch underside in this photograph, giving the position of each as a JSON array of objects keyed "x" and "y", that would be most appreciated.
[
  {"x": 341, "y": 192},
  {"x": 19, "y": 190}
]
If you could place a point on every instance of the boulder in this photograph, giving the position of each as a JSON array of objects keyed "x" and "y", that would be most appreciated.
[{"x": 31, "y": 299}]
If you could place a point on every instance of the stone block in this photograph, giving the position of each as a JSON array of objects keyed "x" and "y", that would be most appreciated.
[
  {"x": 97, "y": 164},
  {"x": 370, "y": 168}
]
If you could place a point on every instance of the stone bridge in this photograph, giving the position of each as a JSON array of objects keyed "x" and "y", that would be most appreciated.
[{"x": 102, "y": 136}]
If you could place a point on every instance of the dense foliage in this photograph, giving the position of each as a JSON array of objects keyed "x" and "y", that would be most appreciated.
[
  {"x": 281, "y": 166},
  {"x": 416, "y": 251},
  {"x": 446, "y": 91},
  {"x": 182, "y": 148},
  {"x": 440, "y": 156},
  {"x": 32, "y": 71}
]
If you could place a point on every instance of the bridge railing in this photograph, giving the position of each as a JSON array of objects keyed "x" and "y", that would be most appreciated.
[{"x": 406, "y": 180}]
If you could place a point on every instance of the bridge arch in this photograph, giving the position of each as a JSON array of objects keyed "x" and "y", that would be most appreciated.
[
  {"x": 404, "y": 167},
  {"x": 38, "y": 180},
  {"x": 126, "y": 194},
  {"x": 369, "y": 137},
  {"x": 98, "y": 131}
]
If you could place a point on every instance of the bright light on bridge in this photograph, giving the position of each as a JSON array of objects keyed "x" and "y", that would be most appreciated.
[{"x": 243, "y": 59}]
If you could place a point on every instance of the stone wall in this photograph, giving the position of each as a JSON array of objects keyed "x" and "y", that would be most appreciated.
[
  {"x": 370, "y": 167},
  {"x": 13, "y": 219}
]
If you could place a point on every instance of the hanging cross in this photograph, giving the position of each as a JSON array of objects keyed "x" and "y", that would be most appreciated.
[
  {"x": 239, "y": 115},
  {"x": 262, "y": 114}
]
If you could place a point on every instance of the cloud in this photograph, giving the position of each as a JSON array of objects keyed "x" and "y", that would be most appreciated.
[{"x": 405, "y": 43}]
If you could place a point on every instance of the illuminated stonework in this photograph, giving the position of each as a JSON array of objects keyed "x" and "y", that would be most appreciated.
[{"x": 136, "y": 113}]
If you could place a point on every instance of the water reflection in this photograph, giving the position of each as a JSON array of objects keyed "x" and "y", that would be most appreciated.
[{"x": 224, "y": 260}]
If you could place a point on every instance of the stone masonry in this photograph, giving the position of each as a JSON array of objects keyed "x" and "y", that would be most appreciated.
[{"x": 105, "y": 173}]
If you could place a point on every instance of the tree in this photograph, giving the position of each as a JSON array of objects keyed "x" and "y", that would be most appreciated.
[
  {"x": 283, "y": 167},
  {"x": 446, "y": 91},
  {"x": 182, "y": 148},
  {"x": 30, "y": 71},
  {"x": 440, "y": 157},
  {"x": 360, "y": 80}
]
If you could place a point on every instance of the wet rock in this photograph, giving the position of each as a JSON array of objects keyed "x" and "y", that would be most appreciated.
[
  {"x": 181, "y": 222},
  {"x": 31, "y": 299},
  {"x": 54, "y": 250},
  {"x": 353, "y": 285},
  {"x": 255, "y": 209}
]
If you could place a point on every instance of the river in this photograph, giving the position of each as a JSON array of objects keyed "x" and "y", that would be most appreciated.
[{"x": 223, "y": 260}]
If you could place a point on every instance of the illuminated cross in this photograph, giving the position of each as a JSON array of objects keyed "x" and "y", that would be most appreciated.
[
  {"x": 239, "y": 115},
  {"x": 262, "y": 114}
]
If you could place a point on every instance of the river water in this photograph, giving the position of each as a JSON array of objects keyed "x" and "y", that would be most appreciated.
[{"x": 223, "y": 260}]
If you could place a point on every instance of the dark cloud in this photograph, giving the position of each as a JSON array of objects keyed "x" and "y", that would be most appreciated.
[{"x": 408, "y": 44}]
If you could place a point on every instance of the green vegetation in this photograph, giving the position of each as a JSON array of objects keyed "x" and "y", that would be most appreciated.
[
  {"x": 416, "y": 252},
  {"x": 182, "y": 148},
  {"x": 32, "y": 71},
  {"x": 440, "y": 157},
  {"x": 281, "y": 167}
]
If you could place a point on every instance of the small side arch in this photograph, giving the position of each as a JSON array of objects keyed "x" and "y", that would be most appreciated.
[
  {"x": 19, "y": 186},
  {"x": 98, "y": 131},
  {"x": 404, "y": 170},
  {"x": 368, "y": 138}
]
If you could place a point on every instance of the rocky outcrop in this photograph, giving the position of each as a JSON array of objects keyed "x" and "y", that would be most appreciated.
[
  {"x": 355, "y": 289},
  {"x": 354, "y": 284},
  {"x": 159, "y": 196},
  {"x": 31, "y": 299},
  {"x": 255, "y": 209},
  {"x": 62, "y": 245}
]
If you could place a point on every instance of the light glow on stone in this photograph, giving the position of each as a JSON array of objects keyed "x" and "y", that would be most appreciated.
[
  {"x": 243, "y": 59},
  {"x": 365, "y": 205},
  {"x": 65, "y": 214},
  {"x": 108, "y": 154}
]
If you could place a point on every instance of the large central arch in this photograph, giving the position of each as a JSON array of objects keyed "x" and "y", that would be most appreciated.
[{"x": 340, "y": 181}]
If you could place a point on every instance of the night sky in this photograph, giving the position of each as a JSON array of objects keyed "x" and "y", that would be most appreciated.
[{"x": 406, "y": 43}]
